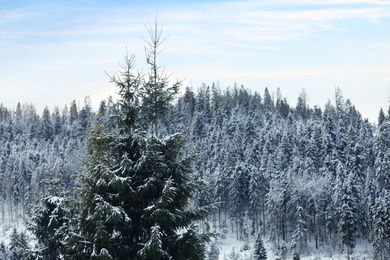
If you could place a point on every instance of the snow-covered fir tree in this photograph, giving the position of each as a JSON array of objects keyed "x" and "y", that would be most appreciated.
[
  {"x": 136, "y": 191},
  {"x": 259, "y": 252}
]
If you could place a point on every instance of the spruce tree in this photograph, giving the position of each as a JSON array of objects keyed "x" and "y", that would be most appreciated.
[
  {"x": 260, "y": 252},
  {"x": 3, "y": 251},
  {"x": 296, "y": 256},
  {"x": 347, "y": 215},
  {"x": 381, "y": 223},
  {"x": 18, "y": 243},
  {"x": 213, "y": 254},
  {"x": 49, "y": 219},
  {"x": 156, "y": 92},
  {"x": 136, "y": 190}
]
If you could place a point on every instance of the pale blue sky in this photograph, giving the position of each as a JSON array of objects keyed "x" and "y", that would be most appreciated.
[{"x": 55, "y": 51}]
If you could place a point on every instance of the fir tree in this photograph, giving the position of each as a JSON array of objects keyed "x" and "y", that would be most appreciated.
[
  {"x": 48, "y": 224},
  {"x": 259, "y": 253},
  {"x": 268, "y": 102},
  {"x": 153, "y": 250},
  {"x": 296, "y": 256},
  {"x": 238, "y": 191},
  {"x": 3, "y": 251},
  {"x": 381, "y": 223},
  {"x": 382, "y": 158},
  {"x": 347, "y": 221},
  {"x": 213, "y": 253},
  {"x": 136, "y": 191},
  {"x": 18, "y": 243},
  {"x": 49, "y": 220},
  {"x": 156, "y": 92}
]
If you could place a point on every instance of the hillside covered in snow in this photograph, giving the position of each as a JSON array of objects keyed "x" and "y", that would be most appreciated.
[{"x": 302, "y": 177}]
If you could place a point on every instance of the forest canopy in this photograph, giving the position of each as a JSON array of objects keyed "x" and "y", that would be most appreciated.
[{"x": 295, "y": 173}]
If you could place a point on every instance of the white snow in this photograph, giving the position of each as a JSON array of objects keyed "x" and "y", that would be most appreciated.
[{"x": 362, "y": 251}]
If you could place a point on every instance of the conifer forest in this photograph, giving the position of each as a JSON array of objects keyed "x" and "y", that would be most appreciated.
[{"x": 158, "y": 174}]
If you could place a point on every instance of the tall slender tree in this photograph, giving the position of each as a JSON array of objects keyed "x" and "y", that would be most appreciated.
[{"x": 156, "y": 92}]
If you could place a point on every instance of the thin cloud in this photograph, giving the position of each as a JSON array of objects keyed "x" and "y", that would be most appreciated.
[
  {"x": 323, "y": 14},
  {"x": 264, "y": 42},
  {"x": 9, "y": 16},
  {"x": 341, "y": 2},
  {"x": 104, "y": 30},
  {"x": 318, "y": 2},
  {"x": 340, "y": 71},
  {"x": 251, "y": 22}
]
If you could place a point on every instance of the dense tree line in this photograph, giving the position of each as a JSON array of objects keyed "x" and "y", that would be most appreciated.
[
  {"x": 32, "y": 146},
  {"x": 298, "y": 174},
  {"x": 35, "y": 151}
]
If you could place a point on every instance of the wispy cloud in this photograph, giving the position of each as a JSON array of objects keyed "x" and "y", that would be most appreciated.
[
  {"x": 317, "y": 2},
  {"x": 341, "y": 2},
  {"x": 269, "y": 39},
  {"x": 253, "y": 23},
  {"x": 240, "y": 23},
  {"x": 74, "y": 32},
  {"x": 323, "y": 14},
  {"x": 12, "y": 15}
]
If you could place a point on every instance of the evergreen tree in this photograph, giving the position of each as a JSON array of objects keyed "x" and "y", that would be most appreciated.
[
  {"x": 298, "y": 234},
  {"x": 49, "y": 219},
  {"x": 73, "y": 112},
  {"x": 348, "y": 219},
  {"x": 382, "y": 158},
  {"x": 153, "y": 248},
  {"x": 238, "y": 191},
  {"x": 136, "y": 191},
  {"x": 57, "y": 122},
  {"x": 259, "y": 253},
  {"x": 47, "y": 130},
  {"x": 3, "y": 251},
  {"x": 302, "y": 108},
  {"x": 256, "y": 193},
  {"x": 18, "y": 243},
  {"x": 156, "y": 92},
  {"x": 281, "y": 104},
  {"x": 268, "y": 102},
  {"x": 48, "y": 224},
  {"x": 381, "y": 117},
  {"x": 213, "y": 254},
  {"x": 296, "y": 256},
  {"x": 381, "y": 223}
]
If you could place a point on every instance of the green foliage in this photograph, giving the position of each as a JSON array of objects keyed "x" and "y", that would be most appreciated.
[
  {"x": 48, "y": 223},
  {"x": 259, "y": 250},
  {"x": 135, "y": 197},
  {"x": 49, "y": 219},
  {"x": 126, "y": 108},
  {"x": 156, "y": 92},
  {"x": 152, "y": 250}
]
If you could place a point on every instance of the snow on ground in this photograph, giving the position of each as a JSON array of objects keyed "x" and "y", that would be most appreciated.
[
  {"x": 6, "y": 231},
  {"x": 232, "y": 249},
  {"x": 5, "y": 235}
]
